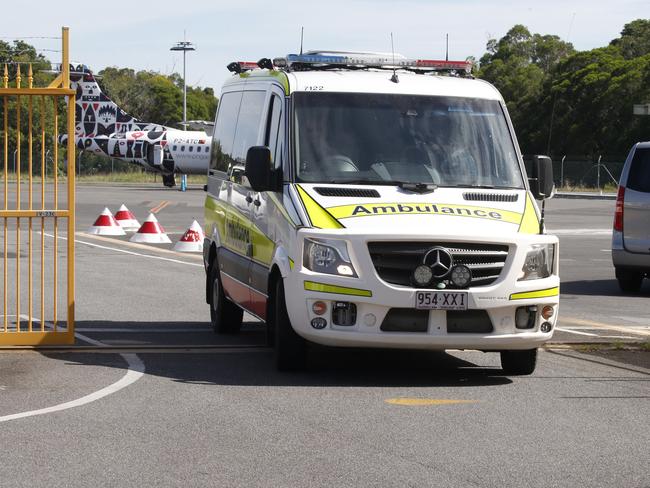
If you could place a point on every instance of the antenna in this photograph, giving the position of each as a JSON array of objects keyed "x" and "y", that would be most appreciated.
[
  {"x": 393, "y": 78},
  {"x": 302, "y": 32},
  {"x": 447, "y": 49}
]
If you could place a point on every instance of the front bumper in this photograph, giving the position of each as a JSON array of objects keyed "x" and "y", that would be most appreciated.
[{"x": 374, "y": 297}]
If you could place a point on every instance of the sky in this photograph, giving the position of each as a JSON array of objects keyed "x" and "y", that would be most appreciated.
[{"x": 139, "y": 34}]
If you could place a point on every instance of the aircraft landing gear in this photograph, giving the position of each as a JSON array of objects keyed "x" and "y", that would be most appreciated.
[{"x": 169, "y": 181}]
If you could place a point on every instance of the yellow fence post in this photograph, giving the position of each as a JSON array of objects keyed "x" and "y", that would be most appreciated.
[{"x": 15, "y": 210}]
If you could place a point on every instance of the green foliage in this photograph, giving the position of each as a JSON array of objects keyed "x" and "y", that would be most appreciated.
[
  {"x": 635, "y": 39},
  {"x": 567, "y": 102},
  {"x": 152, "y": 97},
  {"x": 520, "y": 65}
]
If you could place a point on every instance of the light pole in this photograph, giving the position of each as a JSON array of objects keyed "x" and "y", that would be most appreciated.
[{"x": 184, "y": 46}]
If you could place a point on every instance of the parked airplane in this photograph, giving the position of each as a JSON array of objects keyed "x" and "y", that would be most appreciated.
[{"x": 104, "y": 128}]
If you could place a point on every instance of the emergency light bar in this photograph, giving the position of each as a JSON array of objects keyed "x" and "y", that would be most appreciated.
[
  {"x": 241, "y": 66},
  {"x": 371, "y": 61}
]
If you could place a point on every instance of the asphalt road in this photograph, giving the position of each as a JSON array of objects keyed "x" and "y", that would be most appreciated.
[{"x": 168, "y": 403}]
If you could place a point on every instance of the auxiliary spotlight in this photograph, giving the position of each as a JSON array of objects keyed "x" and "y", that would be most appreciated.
[
  {"x": 422, "y": 275},
  {"x": 461, "y": 276}
]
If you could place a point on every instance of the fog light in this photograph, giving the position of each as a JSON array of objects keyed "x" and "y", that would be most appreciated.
[
  {"x": 422, "y": 275},
  {"x": 547, "y": 312},
  {"x": 318, "y": 323},
  {"x": 369, "y": 319},
  {"x": 319, "y": 308},
  {"x": 461, "y": 276},
  {"x": 344, "y": 313},
  {"x": 546, "y": 327},
  {"x": 525, "y": 317}
]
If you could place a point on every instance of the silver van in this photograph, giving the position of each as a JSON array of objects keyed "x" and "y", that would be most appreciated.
[{"x": 631, "y": 236}]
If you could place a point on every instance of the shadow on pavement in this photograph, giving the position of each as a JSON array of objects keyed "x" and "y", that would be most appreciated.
[
  {"x": 600, "y": 288},
  {"x": 248, "y": 367}
]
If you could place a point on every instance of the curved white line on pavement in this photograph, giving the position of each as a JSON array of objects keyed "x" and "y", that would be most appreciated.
[{"x": 134, "y": 373}]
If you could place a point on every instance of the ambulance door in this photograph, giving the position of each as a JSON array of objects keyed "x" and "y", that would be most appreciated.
[
  {"x": 236, "y": 260},
  {"x": 264, "y": 223}
]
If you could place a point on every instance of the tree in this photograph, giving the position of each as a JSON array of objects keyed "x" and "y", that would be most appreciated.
[
  {"x": 635, "y": 39},
  {"x": 520, "y": 65}
]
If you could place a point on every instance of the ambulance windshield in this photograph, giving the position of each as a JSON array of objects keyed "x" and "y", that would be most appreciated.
[{"x": 384, "y": 138}]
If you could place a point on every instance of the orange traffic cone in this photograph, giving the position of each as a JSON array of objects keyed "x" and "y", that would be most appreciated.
[
  {"x": 192, "y": 240},
  {"x": 126, "y": 219},
  {"x": 151, "y": 232},
  {"x": 106, "y": 225}
]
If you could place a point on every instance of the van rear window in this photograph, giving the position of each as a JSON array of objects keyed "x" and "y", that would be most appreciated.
[{"x": 639, "y": 177}]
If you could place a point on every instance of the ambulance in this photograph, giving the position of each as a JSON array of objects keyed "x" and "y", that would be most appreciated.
[{"x": 369, "y": 200}]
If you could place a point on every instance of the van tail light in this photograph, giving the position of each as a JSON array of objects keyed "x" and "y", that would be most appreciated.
[{"x": 618, "y": 213}]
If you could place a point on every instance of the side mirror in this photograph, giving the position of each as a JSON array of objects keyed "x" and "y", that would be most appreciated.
[
  {"x": 261, "y": 175},
  {"x": 540, "y": 176}
]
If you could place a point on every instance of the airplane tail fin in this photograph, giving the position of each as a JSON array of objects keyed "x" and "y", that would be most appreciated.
[{"x": 97, "y": 115}]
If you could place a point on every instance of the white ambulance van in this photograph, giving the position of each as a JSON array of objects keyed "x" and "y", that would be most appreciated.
[{"x": 369, "y": 200}]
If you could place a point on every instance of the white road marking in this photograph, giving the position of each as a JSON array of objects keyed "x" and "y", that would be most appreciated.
[
  {"x": 637, "y": 320},
  {"x": 150, "y": 256},
  {"x": 134, "y": 373},
  {"x": 573, "y": 331},
  {"x": 590, "y": 324},
  {"x": 580, "y": 232}
]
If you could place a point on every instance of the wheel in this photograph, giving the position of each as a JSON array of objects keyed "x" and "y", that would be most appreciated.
[
  {"x": 519, "y": 362},
  {"x": 290, "y": 348},
  {"x": 169, "y": 181},
  {"x": 226, "y": 317},
  {"x": 629, "y": 281}
]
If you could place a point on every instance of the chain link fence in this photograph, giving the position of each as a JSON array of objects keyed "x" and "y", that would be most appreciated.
[{"x": 600, "y": 174}]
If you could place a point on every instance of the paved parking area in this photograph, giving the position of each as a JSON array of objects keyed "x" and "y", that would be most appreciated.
[{"x": 153, "y": 397}]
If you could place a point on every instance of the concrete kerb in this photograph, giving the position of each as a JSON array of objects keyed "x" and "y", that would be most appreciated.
[{"x": 585, "y": 195}]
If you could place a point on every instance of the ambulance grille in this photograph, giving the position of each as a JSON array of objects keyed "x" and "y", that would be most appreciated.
[
  {"x": 347, "y": 192},
  {"x": 395, "y": 261},
  {"x": 490, "y": 197}
]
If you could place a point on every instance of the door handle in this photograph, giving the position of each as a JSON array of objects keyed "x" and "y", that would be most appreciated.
[
  {"x": 249, "y": 199},
  {"x": 257, "y": 202}
]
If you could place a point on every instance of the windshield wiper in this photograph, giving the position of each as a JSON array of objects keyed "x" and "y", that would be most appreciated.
[{"x": 489, "y": 187}]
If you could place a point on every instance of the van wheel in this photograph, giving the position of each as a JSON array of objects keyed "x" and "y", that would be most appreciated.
[
  {"x": 519, "y": 362},
  {"x": 226, "y": 317},
  {"x": 290, "y": 348},
  {"x": 629, "y": 281}
]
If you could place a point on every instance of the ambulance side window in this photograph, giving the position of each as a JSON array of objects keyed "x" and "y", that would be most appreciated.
[
  {"x": 273, "y": 137},
  {"x": 248, "y": 124},
  {"x": 221, "y": 156}
]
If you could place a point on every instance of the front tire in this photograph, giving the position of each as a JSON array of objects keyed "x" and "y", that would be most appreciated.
[
  {"x": 290, "y": 349},
  {"x": 519, "y": 363},
  {"x": 629, "y": 281},
  {"x": 226, "y": 317}
]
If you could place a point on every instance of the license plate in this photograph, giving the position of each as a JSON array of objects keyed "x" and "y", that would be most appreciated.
[{"x": 441, "y": 300}]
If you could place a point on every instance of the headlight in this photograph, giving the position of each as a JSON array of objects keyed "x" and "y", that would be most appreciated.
[
  {"x": 328, "y": 256},
  {"x": 539, "y": 262}
]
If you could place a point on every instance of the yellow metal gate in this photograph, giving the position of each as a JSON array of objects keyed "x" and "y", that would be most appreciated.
[{"x": 37, "y": 209}]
